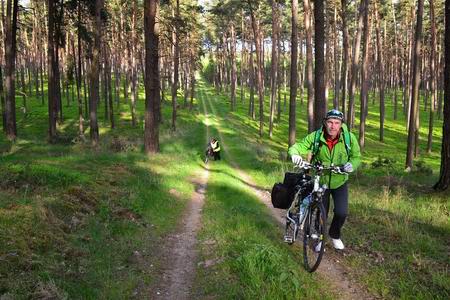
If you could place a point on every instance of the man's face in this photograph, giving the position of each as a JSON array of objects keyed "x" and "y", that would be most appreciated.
[{"x": 333, "y": 127}]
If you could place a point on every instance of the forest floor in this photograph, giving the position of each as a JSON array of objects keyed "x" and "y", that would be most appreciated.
[
  {"x": 340, "y": 284},
  {"x": 76, "y": 220}
]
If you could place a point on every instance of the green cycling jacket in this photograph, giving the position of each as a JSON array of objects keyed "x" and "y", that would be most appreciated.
[{"x": 338, "y": 156}]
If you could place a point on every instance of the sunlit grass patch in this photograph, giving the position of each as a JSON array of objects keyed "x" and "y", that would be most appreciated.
[
  {"x": 73, "y": 217},
  {"x": 398, "y": 228},
  {"x": 242, "y": 251}
]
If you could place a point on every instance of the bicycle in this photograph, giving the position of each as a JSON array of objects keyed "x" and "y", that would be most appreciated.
[
  {"x": 209, "y": 153},
  {"x": 307, "y": 213}
]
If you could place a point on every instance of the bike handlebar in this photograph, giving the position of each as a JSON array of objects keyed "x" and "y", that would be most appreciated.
[{"x": 319, "y": 167}]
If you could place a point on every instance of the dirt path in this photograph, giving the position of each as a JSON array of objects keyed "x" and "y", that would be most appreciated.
[
  {"x": 180, "y": 258},
  {"x": 330, "y": 269}
]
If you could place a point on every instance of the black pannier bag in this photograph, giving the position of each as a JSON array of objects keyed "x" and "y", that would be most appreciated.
[{"x": 283, "y": 193}]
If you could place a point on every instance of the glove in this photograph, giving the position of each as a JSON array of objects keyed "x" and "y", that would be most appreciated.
[
  {"x": 297, "y": 159},
  {"x": 348, "y": 167}
]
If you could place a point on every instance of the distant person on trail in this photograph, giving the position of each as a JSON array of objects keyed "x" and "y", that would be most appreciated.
[
  {"x": 332, "y": 144},
  {"x": 213, "y": 149}
]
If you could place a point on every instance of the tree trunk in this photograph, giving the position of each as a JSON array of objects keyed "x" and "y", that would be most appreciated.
[
  {"x": 355, "y": 63},
  {"x": 309, "y": 63},
  {"x": 95, "y": 70},
  {"x": 293, "y": 82},
  {"x": 274, "y": 69},
  {"x": 259, "y": 65},
  {"x": 176, "y": 68},
  {"x": 336, "y": 62},
  {"x": 108, "y": 84},
  {"x": 432, "y": 76},
  {"x": 251, "y": 103},
  {"x": 57, "y": 85},
  {"x": 134, "y": 76},
  {"x": 364, "y": 78},
  {"x": 396, "y": 63},
  {"x": 2, "y": 98},
  {"x": 52, "y": 63},
  {"x": 78, "y": 77},
  {"x": 319, "y": 72},
  {"x": 10, "y": 66},
  {"x": 345, "y": 55},
  {"x": 152, "y": 83},
  {"x": 380, "y": 72},
  {"x": 241, "y": 69},
  {"x": 415, "y": 89},
  {"x": 444, "y": 178},
  {"x": 233, "y": 66}
]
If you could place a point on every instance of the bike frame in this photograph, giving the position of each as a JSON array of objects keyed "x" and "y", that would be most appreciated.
[
  {"x": 317, "y": 189},
  {"x": 316, "y": 195}
]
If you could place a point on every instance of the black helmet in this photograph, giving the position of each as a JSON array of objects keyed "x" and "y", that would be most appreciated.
[{"x": 334, "y": 114}]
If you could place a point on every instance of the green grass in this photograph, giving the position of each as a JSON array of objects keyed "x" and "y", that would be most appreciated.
[
  {"x": 248, "y": 259},
  {"x": 72, "y": 217},
  {"x": 398, "y": 230},
  {"x": 243, "y": 255}
]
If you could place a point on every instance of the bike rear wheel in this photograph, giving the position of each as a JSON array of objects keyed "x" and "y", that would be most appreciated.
[{"x": 313, "y": 236}]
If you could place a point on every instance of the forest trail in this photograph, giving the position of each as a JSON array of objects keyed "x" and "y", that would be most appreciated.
[
  {"x": 179, "y": 260},
  {"x": 330, "y": 270}
]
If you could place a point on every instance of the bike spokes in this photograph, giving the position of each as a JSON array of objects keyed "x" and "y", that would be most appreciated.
[{"x": 313, "y": 237}]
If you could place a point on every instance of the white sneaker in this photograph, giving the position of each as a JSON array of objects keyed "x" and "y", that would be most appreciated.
[
  {"x": 317, "y": 247},
  {"x": 338, "y": 244}
]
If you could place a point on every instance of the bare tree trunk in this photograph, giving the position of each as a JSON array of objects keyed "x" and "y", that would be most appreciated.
[
  {"x": 176, "y": 53},
  {"x": 336, "y": 62},
  {"x": 10, "y": 57},
  {"x": 274, "y": 71},
  {"x": 152, "y": 83},
  {"x": 293, "y": 82},
  {"x": 108, "y": 83},
  {"x": 444, "y": 178},
  {"x": 409, "y": 75},
  {"x": 251, "y": 103},
  {"x": 94, "y": 74},
  {"x": 380, "y": 72},
  {"x": 133, "y": 73},
  {"x": 432, "y": 76},
  {"x": 241, "y": 69},
  {"x": 309, "y": 63},
  {"x": 57, "y": 86},
  {"x": 441, "y": 76},
  {"x": 364, "y": 78},
  {"x": 2, "y": 98},
  {"x": 233, "y": 66},
  {"x": 396, "y": 62},
  {"x": 415, "y": 88},
  {"x": 52, "y": 64},
  {"x": 259, "y": 65},
  {"x": 319, "y": 72},
  {"x": 355, "y": 63},
  {"x": 345, "y": 56},
  {"x": 78, "y": 77}
]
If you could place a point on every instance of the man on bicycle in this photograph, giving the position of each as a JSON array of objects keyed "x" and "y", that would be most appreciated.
[
  {"x": 332, "y": 144},
  {"x": 213, "y": 149}
]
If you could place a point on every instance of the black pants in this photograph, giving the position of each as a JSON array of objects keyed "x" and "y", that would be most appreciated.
[
  {"x": 340, "y": 199},
  {"x": 216, "y": 155}
]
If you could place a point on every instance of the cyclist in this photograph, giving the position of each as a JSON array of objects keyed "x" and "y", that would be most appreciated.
[
  {"x": 332, "y": 144},
  {"x": 213, "y": 149}
]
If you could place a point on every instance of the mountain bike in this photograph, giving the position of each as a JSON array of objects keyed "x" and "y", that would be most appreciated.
[
  {"x": 208, "y": 154},
  {"x": 307, "y": 213}
]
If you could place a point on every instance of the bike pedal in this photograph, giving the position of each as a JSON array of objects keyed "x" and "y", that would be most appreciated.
[{"x": 288, "y": 239}]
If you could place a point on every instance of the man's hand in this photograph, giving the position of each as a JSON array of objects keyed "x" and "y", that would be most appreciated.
[
  {"x": 297, "y": 159},
  {"x": 348, "y": 167}
]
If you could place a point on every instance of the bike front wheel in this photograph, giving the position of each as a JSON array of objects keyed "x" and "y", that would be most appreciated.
[{"x": 313, "y": 236}]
